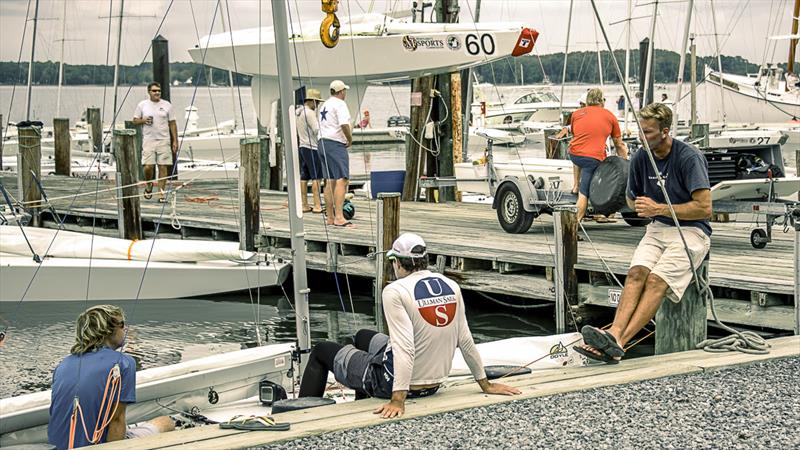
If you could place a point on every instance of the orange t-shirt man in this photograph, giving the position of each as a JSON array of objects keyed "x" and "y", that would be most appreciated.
[{"x": 591, "y": 127}]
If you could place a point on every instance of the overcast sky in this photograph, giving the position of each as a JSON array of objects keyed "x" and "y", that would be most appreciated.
[{"x": 743, "y": 25}]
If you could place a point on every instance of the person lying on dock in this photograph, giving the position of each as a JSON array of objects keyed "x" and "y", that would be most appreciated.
[
  {"x": 93, "y": 386},
  {"x": 426, "y": 319},
  {"x": 660, "y": 266}
]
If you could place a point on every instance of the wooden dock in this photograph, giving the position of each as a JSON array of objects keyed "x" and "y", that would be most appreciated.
[
  {"x": 461, "y": 395},
  {"x": 752, "y": 287}
]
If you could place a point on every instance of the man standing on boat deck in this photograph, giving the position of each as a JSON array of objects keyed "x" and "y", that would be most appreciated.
[
  {"x": 159, "y": 138},
  {"x": 310, "y": 162},
  {"x": 426, "y": 319},
  {"x": 660, "y": 265},
  {"x": 83, "y": 377},
  {"x": 336, "y": 136}
]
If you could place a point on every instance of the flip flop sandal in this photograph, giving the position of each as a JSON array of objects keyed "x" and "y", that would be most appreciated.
[
  {"x": 162, "y": 200},
  {"x": 231, "y": 424},
  {"x": 347, "y": 224},
  {"x": 261, "y": 423},
  {"x": 602, "y": 341},
  {"x": 602, "y": 357},
  {"x": 148, "y": 194}
]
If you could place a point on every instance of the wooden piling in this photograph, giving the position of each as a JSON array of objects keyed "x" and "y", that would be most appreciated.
[
  {"x": 680, "y": 326},
  {"x": 444, "y": 162},
  {"x": 388, "y": 230},
  {"x": 552, "y": 146},
  {"x": 95, "y": 128},
  {"x": 138, "y": 148},
  {"x": 161, "y": 65},
  {"x": 566, "y": 256},
  {"x": 62, "y": 147},
  {"x": 249, "y": 195},
  {"x": 415, "y": 155},
  {"x": 29, "y": 162},
  {"x": 263, "y": 134},
  {"x": 130, "y": 218},
  {"x": 458, "y": 125},
  {"x": 276, "y": 172}
]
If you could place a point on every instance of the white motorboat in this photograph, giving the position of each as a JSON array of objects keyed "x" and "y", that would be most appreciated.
[
  {"x": 407, "y": 50},
  {"x": 76, "y": 266},
  {"x": 761, "y": 97}
]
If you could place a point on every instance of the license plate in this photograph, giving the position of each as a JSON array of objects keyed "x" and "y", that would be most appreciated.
[{"x": 613, "y": 296}]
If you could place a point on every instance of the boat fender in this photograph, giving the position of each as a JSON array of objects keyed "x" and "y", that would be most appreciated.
[
  {"x": 525, "y": 41},
  {"x": 329, "y": 28},
  {"x": 348, "y": 209},
  {"x": 495, "y": 372},
  {"x": 609, "y": 182}
]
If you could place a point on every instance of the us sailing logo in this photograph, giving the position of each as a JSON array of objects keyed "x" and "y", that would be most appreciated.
[{"x": 436, "y": 301}]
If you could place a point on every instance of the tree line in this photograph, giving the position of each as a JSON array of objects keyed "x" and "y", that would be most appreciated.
[{"x": 582, "y": 67}]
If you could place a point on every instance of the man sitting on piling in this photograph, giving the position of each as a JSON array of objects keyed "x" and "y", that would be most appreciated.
[
  {"x": 660, "y": 265},
  {"x": 426, "y": 319},
  {"x": 93, "y": 386}
]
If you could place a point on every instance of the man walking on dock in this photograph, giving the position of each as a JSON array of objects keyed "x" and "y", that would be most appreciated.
[
  {"x": 426, "y": 319},
  {"x": 336, "y": 137},
  {"x": 660, "y": 266},
  {"x": 159, "y": 138}
]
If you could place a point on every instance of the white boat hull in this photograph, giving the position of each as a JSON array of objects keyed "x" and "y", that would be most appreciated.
[
  {"x": 744, "y": 103},
  {"x": 76, "y": 279}
]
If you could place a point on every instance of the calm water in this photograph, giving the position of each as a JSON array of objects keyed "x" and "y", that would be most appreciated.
[{"x": 169, "y": 331}]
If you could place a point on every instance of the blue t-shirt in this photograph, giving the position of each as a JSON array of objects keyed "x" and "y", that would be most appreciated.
[
  {"x": 684, "y": 170},
  {"x": 85, "y": 376}
]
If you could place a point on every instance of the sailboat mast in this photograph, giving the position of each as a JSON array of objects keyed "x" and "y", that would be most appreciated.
[
  {"x": 30, "y": 63},
  {"x": 564, "y": 70},
  {"x": 682, "y": 65},
  {"x": 61, "y": 58},
  {"x": 793, "y": 42},
  {"x": 627, "y": 61},
  {"x": 650, "y": 51},
  {"x": 719, "y": 63},
  {"x": 301, "y": 290},
  {"x": 116, "y": 64},
  {"x": 230, "y": 73},
  {"x": 599, "y": 58}
]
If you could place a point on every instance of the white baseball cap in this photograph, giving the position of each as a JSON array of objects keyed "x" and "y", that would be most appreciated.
[
  {"x": 582, "y": 98},
  {"x": 408, "y": 245},
  {"x": 338, "y": 85}
]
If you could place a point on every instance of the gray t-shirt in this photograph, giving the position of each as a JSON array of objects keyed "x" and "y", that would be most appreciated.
[
  {"x": 684, "y": 170},
  {"x": 162, "y": 116}
]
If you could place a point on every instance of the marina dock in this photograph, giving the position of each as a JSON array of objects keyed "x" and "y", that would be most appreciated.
[
  {"x": 752, "y": 287},
  {"x": 464, "y": 395}
]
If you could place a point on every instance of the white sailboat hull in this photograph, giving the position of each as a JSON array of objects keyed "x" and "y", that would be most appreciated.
[
  {"x": 77, "y": 279},
  {"x": 233, "y": 376},
  {"x": 743, "y": 102}
]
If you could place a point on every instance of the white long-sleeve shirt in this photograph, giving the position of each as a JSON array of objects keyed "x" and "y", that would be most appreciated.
[{"x": 426, "y": 319}]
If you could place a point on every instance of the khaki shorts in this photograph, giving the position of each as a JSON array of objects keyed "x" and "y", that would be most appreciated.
[
  {"x": 156, "y": 152},
  {"x": 140, "y": 430},
  {"x": 661, "y": 250}
]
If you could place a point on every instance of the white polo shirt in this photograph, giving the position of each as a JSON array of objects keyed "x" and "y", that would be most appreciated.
[
  {"x": 162, "y": 115},
  {"x": 332, "y": 115}
]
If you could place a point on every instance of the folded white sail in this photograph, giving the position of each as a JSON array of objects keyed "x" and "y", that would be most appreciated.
[{"x": 67, "y": 244}]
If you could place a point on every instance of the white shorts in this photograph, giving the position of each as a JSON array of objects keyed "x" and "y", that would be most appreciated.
[
  {"x": 156, "y": 152},
  {"x": 140, "y": 430},
  {"x": 661, "y": 251}
]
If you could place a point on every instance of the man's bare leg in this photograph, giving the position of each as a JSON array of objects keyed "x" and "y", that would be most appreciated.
[
  {"x": 649, "y": 302},
  {"x": 163, "y": 173},
  {"x": 583, "y": 203},
  {"x": 330, "y": 186},
  {"x": 149, "y": 174},
  {"x": 163, "y": 423},
  {"x": 303, "y": 190},
  {"x": 629, "y": 302},
  {"x": 576, "y": 178},
  {"x": 315, "y": 196},
  {"x": 338, "y": 198}
]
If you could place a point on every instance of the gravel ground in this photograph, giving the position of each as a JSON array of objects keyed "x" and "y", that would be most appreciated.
[{"x": 756, "y": 406}]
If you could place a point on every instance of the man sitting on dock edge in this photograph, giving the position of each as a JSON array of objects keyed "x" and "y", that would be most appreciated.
[
  {"x": 426, "y": 319},
  {"x": 660, "y": 265},
  {"x": 93, "y": 375}
]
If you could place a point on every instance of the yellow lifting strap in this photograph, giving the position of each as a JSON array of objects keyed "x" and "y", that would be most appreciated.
[{"x": 329, "y": 28}]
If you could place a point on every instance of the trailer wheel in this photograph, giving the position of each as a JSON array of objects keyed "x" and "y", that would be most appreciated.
[
  {"x": 633, "y": 219},
  {"x": 510, "y": 212},
  {"x": 758, "y": 238}
]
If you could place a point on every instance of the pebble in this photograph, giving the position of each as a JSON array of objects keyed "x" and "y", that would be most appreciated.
[{"x": 748, "y": 407}]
